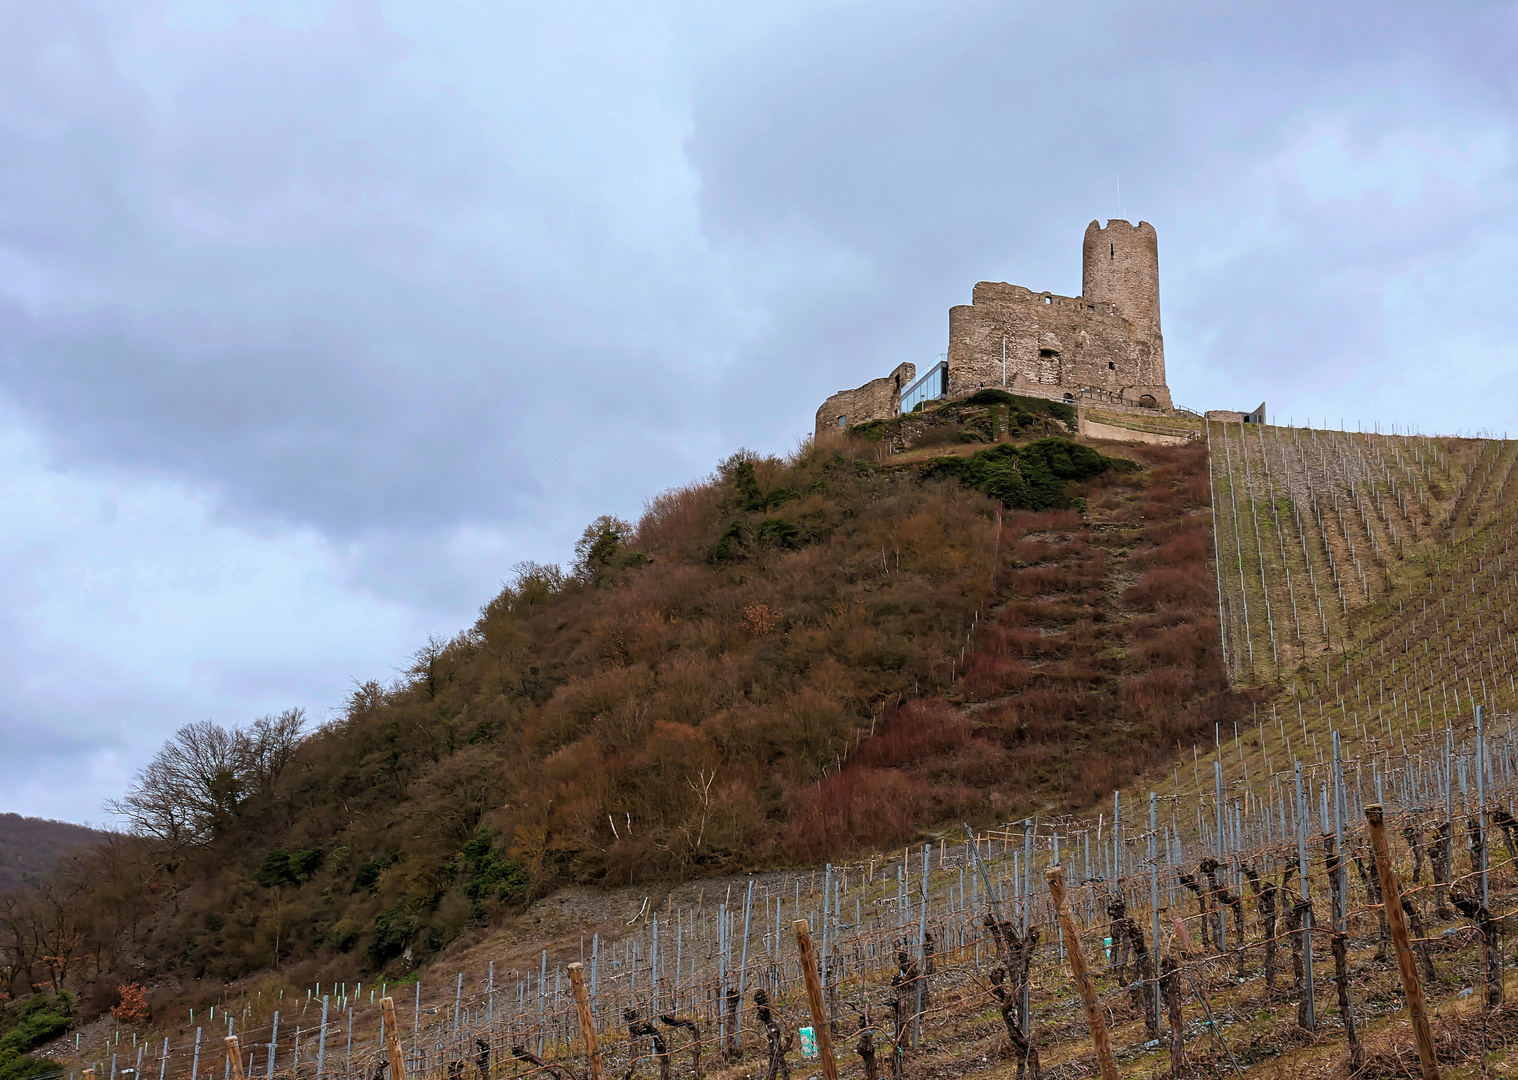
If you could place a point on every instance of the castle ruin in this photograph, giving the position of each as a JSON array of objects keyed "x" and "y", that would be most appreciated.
[{"x": 1102, "y": 346}]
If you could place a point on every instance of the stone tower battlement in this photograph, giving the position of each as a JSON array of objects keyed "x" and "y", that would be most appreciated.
[
  {"x": 1104, "y": 345},
  {"x": 1120, "y": 265}
]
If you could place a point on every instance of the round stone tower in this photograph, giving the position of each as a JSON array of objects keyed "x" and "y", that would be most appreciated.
[{"x": 1121, "y": 265}]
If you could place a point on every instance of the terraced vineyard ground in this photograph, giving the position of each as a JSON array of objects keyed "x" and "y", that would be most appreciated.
[
  {"x": 1366, "y": 580},
  {"x": 1325, "y": 538}
]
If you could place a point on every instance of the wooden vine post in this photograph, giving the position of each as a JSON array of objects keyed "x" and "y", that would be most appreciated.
[
  {"x": 820, "y": 1026},
  {"x": 234, "y": 1057},
  {"x": 1391, "y": 897},
  {"x": 392, "y": 1041},
  {"x": 587, "y": 1021},
  {"x": 1055, "y": 875}
]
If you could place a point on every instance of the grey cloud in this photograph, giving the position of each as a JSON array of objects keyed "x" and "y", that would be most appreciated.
[
  {"x": 399, "y": 295},
  {"x": 340, "y": 294},
  {"x": 357, "y": 276}
]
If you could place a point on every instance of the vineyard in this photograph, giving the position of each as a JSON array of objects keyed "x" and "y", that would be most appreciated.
[{"x": 1332, "y": 542}]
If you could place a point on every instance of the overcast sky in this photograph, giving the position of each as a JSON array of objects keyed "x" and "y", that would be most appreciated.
[{"x": 317, "y": 317}]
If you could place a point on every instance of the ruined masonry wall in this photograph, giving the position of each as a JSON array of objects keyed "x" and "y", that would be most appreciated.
[
  {"x": 1052, "y": 342},
  {"x": 878, "y": 399}
]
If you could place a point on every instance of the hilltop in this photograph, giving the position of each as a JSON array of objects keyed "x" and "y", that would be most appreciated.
[
  {"x": 790, "y": 661},
  {"x": 970, "y": 613}
]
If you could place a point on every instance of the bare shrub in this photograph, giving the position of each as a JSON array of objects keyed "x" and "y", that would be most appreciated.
[
  {"x": 875, "y": 807},
  {"x": 1152, "y": 691},
  {"x": 917, "y": 731},
  {"x": 1188, "y": 587}
]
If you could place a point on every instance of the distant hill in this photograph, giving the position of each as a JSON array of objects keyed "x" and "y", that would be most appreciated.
[{"x": 29, "y": 846}]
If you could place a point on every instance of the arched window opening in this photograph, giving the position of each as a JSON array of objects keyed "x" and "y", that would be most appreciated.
[{"x": 843, "y": 421}]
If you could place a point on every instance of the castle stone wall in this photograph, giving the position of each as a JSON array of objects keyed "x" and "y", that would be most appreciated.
[
  {"x": 1053, "y": 343},
  {"x": 878, "y": 399}
]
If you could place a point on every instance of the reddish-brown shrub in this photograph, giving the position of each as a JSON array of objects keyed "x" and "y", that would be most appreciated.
[
  {"x": 1176, "y": 646},
  {"x": 916, "y": 731},
  {"x": 979, "y": 762},
  {"x": 1010, "y": 638},
  {"x": 1068, "y": 609},
  {"x": 1082, "y": 672},
  {"x": 1088, "y": 573},
  {"x": 1162, "y": 532},
  {"x": 1024, "y": 522},
  {"x": 1198, "y": 490},
  {"x": 1162, "y": 619},
  {"x": 1040, "y": 715},
  {"x": 989, "y": 675},
  {"x": 1168, "y": 473},
  {"x": 1192, "y": 586},
  {"x": 1097, "y": 776},
  {"x": 1030, "y": 552},
  {"x": 1189, "y": 546},
  {"x": 133, "y": 1007},
  {"x": 872, "y": 807},
  {"x": 1153, "y": 690},
  {"x": 1089, "y": 634}
]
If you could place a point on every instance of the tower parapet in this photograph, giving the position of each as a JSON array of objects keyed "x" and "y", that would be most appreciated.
[{"x": 1120, "y": 265}]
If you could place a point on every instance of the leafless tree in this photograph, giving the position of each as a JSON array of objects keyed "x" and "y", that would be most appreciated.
[
  {"x": 270, "y": 745},
  {"x": 195, "y": 787},
  {"x": 20, "y": 942}
]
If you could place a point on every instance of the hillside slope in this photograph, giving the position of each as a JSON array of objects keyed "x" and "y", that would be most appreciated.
[
  {"x": 791, "y": 661},
  {"x": 833, "y": 658}
]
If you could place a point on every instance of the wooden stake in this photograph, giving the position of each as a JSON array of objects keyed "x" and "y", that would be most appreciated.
[
  {"x": 820, "y": 1026},
  {"x": 1055, "y": 876},
  {"x": 392, "y": 1042},
  {"x": 234, "y": 1057},
  {"x": 1391, "y": 897},
  {"x": 587, "y": 1021}
]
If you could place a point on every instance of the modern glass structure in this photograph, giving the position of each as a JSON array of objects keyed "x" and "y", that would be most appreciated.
[{"x": 930, "y": 386}]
